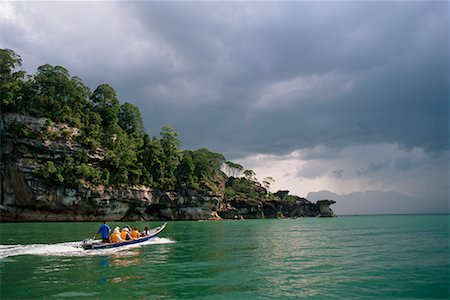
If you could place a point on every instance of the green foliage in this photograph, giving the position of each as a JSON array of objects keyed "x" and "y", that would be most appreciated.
[
  {"x": 10, "y": 80},
  {"x": 267, "y": 182},
  {"x": 130, "y": 120},
  {"x": 207, "y": 176},
  {"x": 233, "y": 169},
  {"x": 151, "y": 157},
  {"x": 244, "y": 188},
  {"x": 292, "y": 198},
  {"x": 88, "y": 173},
  {"x": 250, "y": 175},
  {"x": 171, "y": 157},
  {"x": 19, "y": 129},
  {"x": 207, "y": 163},
  {"x": 185, "y": 172},
  {"x": 106, "y": 104},
  {"x": 92, "y": 133},
  {"x": 50, "y": 172},
  {"x": 53, "y": 93},
  {"x": 230, "y": 193},
  {"x": 74, "y": 171}
]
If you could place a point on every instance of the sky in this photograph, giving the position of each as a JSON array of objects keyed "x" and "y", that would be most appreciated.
[{"x": 343, "y": 96}]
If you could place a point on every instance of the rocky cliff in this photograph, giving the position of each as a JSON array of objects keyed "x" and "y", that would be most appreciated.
[{"x": 27, "y": 197}]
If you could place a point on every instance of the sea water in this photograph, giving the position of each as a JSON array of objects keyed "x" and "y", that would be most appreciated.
[{"x": 350, "y": 257}]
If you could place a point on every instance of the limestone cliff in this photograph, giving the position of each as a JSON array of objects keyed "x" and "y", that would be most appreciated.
[{"x": 27, "y": 197}]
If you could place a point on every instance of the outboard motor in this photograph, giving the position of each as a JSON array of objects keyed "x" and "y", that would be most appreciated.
[{"x": 87, "y": 243}]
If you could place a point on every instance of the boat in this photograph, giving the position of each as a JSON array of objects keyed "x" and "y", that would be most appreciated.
[{"x": 90, "y": 244}]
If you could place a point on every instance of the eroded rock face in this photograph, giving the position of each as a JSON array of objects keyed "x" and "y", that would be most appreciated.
[
  {"x": 33, "y": 200},
  {"x": 26, "y": 197}
]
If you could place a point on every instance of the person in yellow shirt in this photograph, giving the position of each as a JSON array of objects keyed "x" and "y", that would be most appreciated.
[
  {"x": 135, "y": 234},
  {"x": 125, "y": 234},
  {"x": 115, "y": 236}
]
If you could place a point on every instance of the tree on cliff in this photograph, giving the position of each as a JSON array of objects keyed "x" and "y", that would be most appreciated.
[
  {"x": 56, "y": 95},
  {"x": 267, "y": 182},
  {"x": 10, "y": 80},
  {"x": 105, "y": 102},
  {"x": 250, "y": 175},
  {"x": 130, "y": 119},
  {"x": 233, "y": 169},
  {"x": 151, "y": 157},
  {"x": 185, "y": 173},
  {"x": 93, "y": 130},
  {"x": 121, "y": 159},
  {"x": 171, "y": 158}
]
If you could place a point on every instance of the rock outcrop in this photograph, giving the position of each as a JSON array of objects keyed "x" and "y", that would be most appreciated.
[
  {"x": 324, "y": 208},
  {"x": 258, "y": 209},
  {"x": 27, "y": 197}
]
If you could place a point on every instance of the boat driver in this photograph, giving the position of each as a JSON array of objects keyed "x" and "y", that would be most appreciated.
[{"x": 104, "y": 230}]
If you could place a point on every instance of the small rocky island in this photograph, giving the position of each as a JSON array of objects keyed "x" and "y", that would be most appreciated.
[{"x": 69, "y": 154}]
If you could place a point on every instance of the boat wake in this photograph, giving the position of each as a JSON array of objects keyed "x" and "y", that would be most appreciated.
[{"x": 70, "y": 249}]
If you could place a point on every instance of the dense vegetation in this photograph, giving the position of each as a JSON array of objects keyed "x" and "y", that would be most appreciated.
[{"x": 128, "y": 155}]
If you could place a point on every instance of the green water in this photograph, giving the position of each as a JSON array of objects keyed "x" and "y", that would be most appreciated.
[{"x": 372, "y": 257}]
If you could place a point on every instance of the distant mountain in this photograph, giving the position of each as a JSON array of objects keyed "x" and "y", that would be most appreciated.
[{"x": 379, "y": 202}]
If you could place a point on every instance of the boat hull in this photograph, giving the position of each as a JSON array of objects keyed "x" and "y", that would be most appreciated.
[{"x": 98, "y": 245}]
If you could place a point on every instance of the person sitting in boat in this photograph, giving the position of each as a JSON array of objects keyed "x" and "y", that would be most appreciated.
[
  {"x": 125, "y": 234},
  {"x": 145, "y": 232},
  {"x": 135, "y": 234},
  {"x": 104, "y": 230},
  {"x": 115, "y": 236}
]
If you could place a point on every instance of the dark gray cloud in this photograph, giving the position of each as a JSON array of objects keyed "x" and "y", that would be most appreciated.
[
  {"x": 337, "y": 173},
  {"x": 374, "y": 167},
  {"x": 258, "y": 77},
  {"x": 274, "y": 78}
]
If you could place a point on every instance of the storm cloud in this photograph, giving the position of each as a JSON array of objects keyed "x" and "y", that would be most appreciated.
[{"x": 269, "y": 78}]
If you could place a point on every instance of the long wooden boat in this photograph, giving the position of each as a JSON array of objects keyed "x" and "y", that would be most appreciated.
[{"x": 90, "y": 244}]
